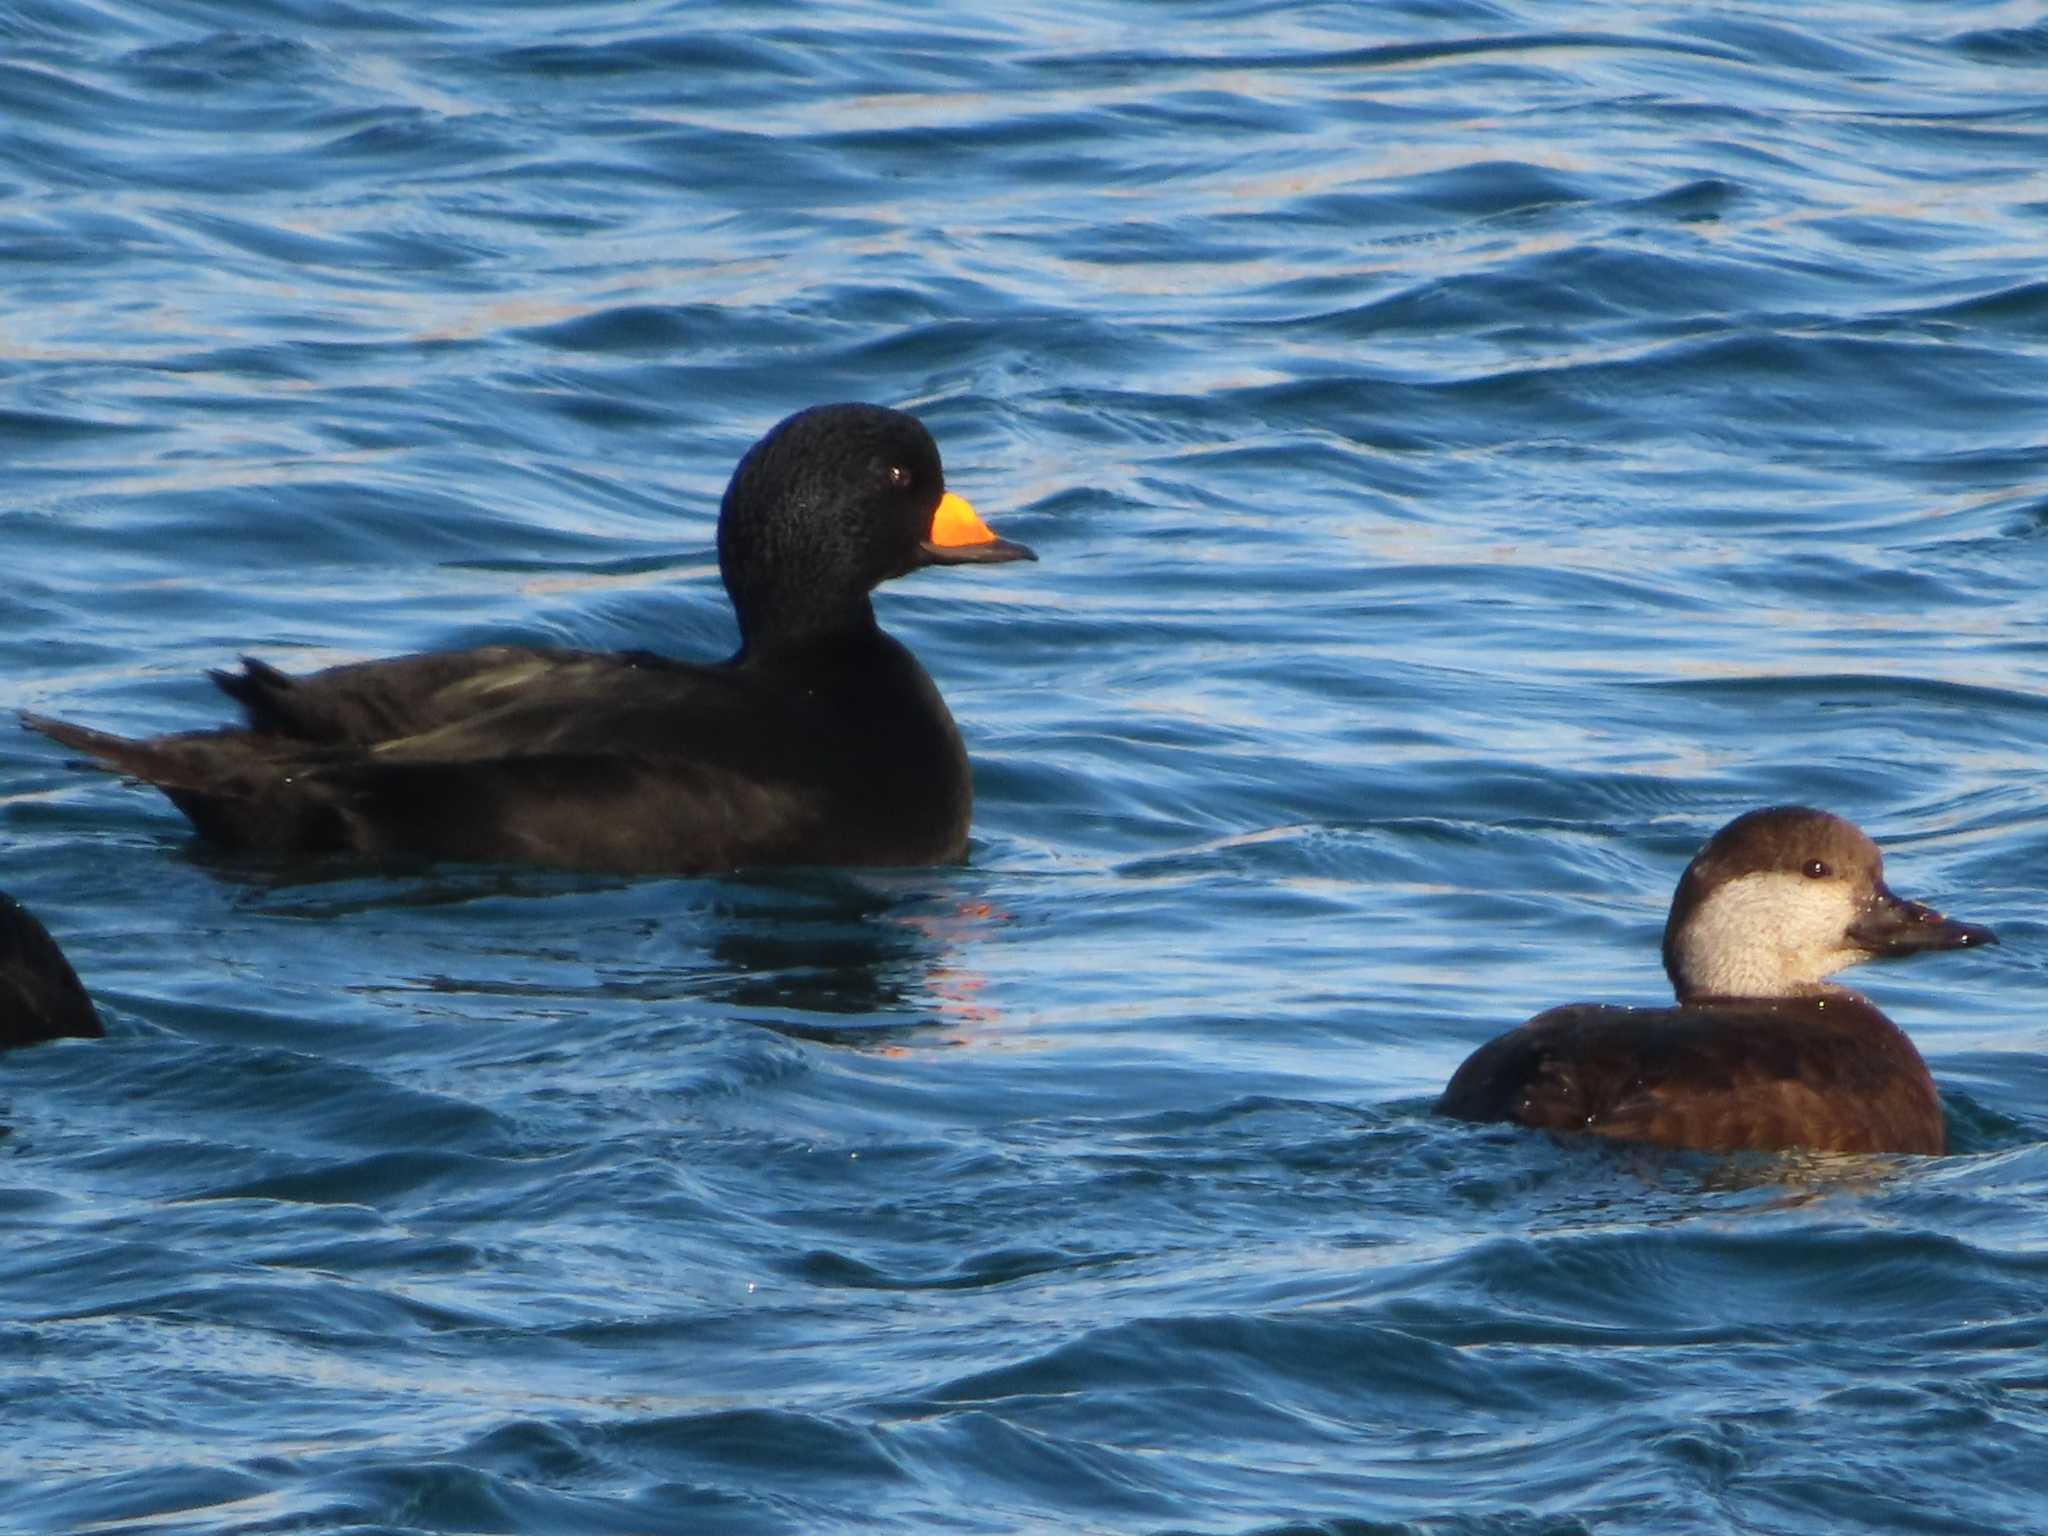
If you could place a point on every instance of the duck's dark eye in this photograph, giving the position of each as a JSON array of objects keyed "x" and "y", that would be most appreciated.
[
  {"x": 1816, "y": 870},
  {"x": 899, "y": 477}
]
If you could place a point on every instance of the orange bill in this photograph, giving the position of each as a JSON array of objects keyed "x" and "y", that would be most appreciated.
[{"x": 959, "y": 537}]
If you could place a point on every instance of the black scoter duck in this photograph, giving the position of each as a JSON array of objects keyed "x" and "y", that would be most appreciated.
[
  {"x": 1761, "y": 1052},
  {"x": 40, "y": 997},
  {"x": 821, "y": 741}
]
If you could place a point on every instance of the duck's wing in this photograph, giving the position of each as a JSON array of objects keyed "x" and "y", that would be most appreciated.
[
  {"x": 1551, "y": 1073},
  {"x": 473, "y": 705},
  {"x": 368, "y": 702},
  {"x": 40, "y": 995},
  {"x": 616, "y": 809}
]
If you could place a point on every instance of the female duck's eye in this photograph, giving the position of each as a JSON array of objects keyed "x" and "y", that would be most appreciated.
[
  {"x": 1815, "y": 870},
  {"x": 899, "y": 477}
]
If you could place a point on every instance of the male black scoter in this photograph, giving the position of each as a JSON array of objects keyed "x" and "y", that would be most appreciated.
[
  {"x": 40, "y": 996},
  {"x": 1761, "y": 1051},
  {"x": 820, "y": 741}
]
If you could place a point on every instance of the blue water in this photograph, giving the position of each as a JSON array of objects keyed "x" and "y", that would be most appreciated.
[{"x": 1474, "y": 450}]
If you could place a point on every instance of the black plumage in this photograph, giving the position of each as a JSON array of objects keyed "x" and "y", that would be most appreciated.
[
  {"x": 821, "y": 741},
  {"x": 40, "y": 995}
]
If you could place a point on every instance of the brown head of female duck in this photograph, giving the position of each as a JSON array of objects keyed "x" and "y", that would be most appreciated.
[{"x": 1761, "y": 1051}]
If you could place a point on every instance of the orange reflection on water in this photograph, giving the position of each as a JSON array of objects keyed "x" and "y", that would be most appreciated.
[{"x": 954, "y": 990}]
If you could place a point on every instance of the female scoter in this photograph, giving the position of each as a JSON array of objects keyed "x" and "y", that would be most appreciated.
[
  {"x": 821, "y": 741},
  {"x": 40, "y": 997},
  {"x": 1760, "y": 1052}
]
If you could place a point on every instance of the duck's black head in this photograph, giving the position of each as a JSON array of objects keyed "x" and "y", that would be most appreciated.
[{"x": 833, "y": 501}]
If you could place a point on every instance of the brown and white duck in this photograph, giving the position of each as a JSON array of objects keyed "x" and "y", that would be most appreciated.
[{"x": 1761, "y": 1050}]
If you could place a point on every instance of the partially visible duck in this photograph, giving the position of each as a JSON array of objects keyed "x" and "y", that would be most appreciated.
[
  {"x": 1761, "y": 1051},
  {"x": 40, "y": 997},
  {"x": 821, "y": 741}
]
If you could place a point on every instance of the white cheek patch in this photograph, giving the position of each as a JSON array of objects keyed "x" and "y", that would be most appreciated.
[{"x": 1767, "y": 935}]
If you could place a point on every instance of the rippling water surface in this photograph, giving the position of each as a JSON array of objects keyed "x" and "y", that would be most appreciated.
[{"x": 1474, "y": 449}]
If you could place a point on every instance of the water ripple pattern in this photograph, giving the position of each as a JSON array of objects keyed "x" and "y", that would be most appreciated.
[{"x": 1475, "y": 447}]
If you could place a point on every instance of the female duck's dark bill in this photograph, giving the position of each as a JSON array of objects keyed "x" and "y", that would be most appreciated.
[
  {"x": 959, "y": 537},
  {"x": 1895, "y": 926}
]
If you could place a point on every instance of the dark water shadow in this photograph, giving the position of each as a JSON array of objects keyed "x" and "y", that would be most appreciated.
[{"x": 833, "y": 956}]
